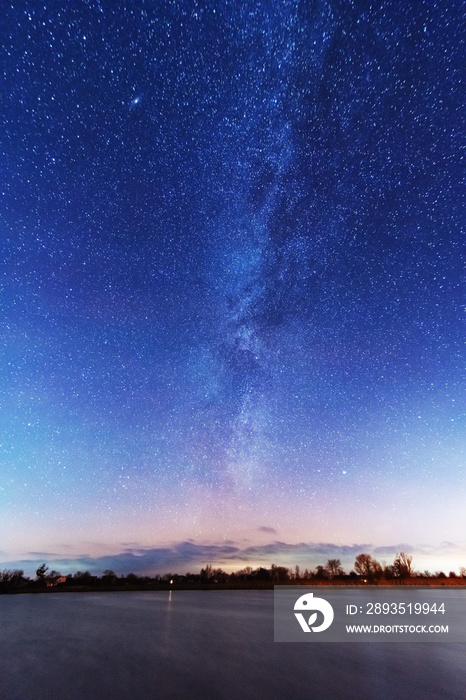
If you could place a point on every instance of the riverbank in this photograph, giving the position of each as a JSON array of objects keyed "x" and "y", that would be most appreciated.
[{"x": 118, "y": 587}]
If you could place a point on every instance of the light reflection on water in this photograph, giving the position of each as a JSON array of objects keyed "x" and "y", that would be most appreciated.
[{"x": 199, "y": 644}]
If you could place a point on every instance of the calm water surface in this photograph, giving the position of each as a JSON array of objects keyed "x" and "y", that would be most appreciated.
[{"x": 199, "y": 644}]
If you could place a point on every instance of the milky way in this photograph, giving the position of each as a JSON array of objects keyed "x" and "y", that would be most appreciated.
[{"x": 232, "y": 275}]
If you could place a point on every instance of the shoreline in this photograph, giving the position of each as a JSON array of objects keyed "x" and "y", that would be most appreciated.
[{"x": 418, "y": 583}]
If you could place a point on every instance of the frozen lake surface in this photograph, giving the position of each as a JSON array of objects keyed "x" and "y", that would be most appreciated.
[{"x": 199, "y": 644}]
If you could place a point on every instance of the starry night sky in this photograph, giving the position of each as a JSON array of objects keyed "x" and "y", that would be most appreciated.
[{"x": 231, "y": 282}]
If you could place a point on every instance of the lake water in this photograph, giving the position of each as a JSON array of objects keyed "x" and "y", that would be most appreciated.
[{"x": 200, "y": 644}]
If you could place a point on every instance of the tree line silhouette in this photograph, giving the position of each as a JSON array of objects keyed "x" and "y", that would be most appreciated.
[{"x": 366, "y": 570}]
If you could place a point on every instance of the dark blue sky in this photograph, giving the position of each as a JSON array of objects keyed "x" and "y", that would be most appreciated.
[{"x": 232, "y": 276}]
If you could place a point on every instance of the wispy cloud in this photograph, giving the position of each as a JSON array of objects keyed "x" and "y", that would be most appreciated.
[
  {"x": 392, "y": 550},
  {"x": 188, "y": 555}
]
